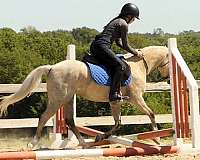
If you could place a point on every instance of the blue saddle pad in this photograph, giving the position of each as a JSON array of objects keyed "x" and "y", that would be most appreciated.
[{"x": 101, "y": 75}]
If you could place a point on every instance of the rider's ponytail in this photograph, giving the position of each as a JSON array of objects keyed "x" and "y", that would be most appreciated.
[{"x": 119, "y": 16}]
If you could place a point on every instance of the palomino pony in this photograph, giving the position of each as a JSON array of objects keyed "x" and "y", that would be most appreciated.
[{"x": 70, "y": 77}]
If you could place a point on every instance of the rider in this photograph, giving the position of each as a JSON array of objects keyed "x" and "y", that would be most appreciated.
[{"x": 116, "y": 30}]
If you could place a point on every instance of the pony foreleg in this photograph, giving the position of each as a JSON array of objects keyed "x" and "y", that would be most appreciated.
[
  {"x": 116, "y": 113},
  {"x": 139, "y": 101},
  {"x": 72, "y": 127}
]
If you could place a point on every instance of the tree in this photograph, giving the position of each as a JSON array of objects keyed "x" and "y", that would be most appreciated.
[
  {"x": 29, "y": 29},
  {"x": 84, "y": 35},
  {"x": 158, "y": 31}
]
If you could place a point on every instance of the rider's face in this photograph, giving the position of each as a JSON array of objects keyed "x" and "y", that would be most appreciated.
[{"x": 131, "y": 19}]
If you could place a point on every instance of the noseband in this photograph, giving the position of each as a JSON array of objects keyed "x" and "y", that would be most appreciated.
[
  {"x": 160, "y": 66},
  {"x": 163, "y": 64}
]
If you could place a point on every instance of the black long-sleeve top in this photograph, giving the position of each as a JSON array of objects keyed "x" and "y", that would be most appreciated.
[{"x": 116, "y": 30}]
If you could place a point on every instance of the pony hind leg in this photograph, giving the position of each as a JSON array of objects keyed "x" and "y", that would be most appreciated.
[
  {"x": 69, "y": 120},
  {"x": 51, "y": 109}
]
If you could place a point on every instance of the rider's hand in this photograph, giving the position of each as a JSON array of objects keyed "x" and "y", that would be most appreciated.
[{"x": 139, "y": 54}]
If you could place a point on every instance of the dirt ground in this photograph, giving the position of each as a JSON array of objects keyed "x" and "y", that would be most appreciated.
[{"x": 14, "y": 144}]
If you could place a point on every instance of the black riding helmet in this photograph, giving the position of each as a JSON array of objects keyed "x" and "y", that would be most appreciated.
[{"x": 130, "y": 9}]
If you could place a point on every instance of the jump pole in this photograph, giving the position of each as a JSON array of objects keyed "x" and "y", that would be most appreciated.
[
  {"x": 124, "y": 140},
  {"x": 183, "y": 86},
  {"x": 137, "y": 149}
]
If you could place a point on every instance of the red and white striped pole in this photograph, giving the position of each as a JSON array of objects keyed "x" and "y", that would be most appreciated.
[{"x": 137, "y": 149}]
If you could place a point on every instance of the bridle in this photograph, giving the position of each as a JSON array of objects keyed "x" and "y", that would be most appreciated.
[
  {"x": 163, "y": 65},
  {"x": 160, "y": 66},
  {"x": 127, "y": 56},
  {"x": 145, "y": 64}
]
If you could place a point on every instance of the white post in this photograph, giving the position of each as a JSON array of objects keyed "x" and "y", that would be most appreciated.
[
  {"x": 71, "y": 140},
  {"x": 193, "y": 92},
  {"x": 71, "y": 52},
  {"x": 172, "y": 44},
  {"x": 194, "y": 112},
  {"x": 71, "y": 55},
  {"x": 54, "y": 124}
]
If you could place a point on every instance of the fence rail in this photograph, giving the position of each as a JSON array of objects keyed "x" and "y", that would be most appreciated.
[
  {"x": 86, "y": 121},
  {"x": 150, "y": 87}
]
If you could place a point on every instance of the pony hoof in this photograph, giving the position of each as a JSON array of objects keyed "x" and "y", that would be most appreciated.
[
  {"x": 84, "y": 145},
  {"x": 30, "y": 146},
  {"x": 99, "y": 137}
]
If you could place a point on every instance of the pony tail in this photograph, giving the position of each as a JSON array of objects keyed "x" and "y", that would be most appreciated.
[{"x": 30, "y": 83}]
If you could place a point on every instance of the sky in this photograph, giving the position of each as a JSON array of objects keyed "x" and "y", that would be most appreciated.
[{"x": 173, "y": 16}]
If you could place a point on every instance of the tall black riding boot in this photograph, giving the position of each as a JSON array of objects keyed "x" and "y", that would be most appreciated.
[{"x": 115, "y": 93}]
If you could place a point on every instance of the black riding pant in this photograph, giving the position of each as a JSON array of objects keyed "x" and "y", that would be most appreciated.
[
  {"x": 106, "y": 56},
  {"x": 103, "y": 53}
]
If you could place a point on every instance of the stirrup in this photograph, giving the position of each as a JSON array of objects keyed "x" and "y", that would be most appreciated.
[{"x": 118, "y": 97}]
